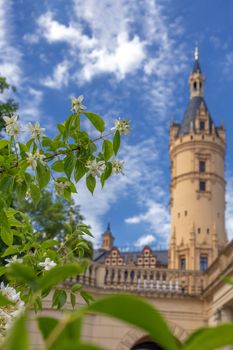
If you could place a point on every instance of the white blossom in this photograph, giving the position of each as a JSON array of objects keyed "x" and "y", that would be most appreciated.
[
  {"x": 61, "y": 186},
  {"x": 48, "y": 264},
  {"x": 35, "y": 130},
  {"x": 11, "y": 294},
  {"x": 10, "y": 120},
  {"x": 9, "y": 312},
  {"x": 123, "y": 126},
  {"x": 33, "y": 158},
  {"x": 13, "y": 259},
  {"x": 117, "y": 166},
  {"x": 95, "y": 168},
  {"x": 12, "y": 126},
  {"x": 39, "y": 157},
  {"x": 76, "y": 104},
  {"x": 28, "y": 195}
]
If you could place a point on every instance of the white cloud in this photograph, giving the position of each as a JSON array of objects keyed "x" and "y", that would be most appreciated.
[
  {"x": 138, "y": 179},
  {"x": 156, "y": 215},
  {"x": 127, "y": 57},
  {"x": 228, "y": 65},
  {"x": 10, "y": 58},
  {"x": 144, "y": 240},
  {"x": 59, "y": 78},
  {"x": 121, "y": 38},
  {"x": 30, "y": 109}
]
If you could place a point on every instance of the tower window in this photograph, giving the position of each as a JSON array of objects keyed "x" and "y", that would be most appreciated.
[
  {"x": 202, "y": 186},
  {"x": 178, "y": 215},
  {"x": 203, "y": 263},
  {"x": 185, "y": 213},
  {"x": 202, "y": 166},
  {"x": 195, "y": 86},
  {"x": 202, "y": 125},
  {"x": 208, "y": 230},
  {"x": 182, "y": 263},
  {"x": 198, "y": 230}
]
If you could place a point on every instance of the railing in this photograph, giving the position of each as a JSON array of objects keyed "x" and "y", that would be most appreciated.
[
  {"x": 142, "y": 280},
  {"x": 221, "y": 267}
]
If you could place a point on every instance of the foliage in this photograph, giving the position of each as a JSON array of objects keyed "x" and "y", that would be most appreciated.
[
  {"x": 51, "y": 214},
  {"x": 8, "y": 106},
  {"x": 33, "y": 264}
]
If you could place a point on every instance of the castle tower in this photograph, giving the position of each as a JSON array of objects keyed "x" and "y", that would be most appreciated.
[
  {"x": 197, "y": 153},
  {"x": 107, "y": 239}
]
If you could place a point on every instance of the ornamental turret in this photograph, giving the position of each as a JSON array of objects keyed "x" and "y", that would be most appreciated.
[
  {"x": 197, "y": 154},
  {"x": 107, "y": 239}
]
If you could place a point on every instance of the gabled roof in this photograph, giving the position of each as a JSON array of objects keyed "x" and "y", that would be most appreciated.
[{"x": 161, "y": 256}]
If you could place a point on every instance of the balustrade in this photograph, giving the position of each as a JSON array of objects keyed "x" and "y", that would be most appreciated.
[{"x": 139, "y": 279}]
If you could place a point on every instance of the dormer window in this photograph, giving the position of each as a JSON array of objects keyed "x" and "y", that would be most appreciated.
[{"x": 202, "y": 125}]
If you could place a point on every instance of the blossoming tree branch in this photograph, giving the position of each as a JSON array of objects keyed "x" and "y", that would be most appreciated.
[{"x": 26, "y": 168}]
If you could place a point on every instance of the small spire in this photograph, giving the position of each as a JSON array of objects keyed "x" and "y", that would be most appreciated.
[
  {"x": 196, "y": 53},
  {"x": 109, "y": 227}
]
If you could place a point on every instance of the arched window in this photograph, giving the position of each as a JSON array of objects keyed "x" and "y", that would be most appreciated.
[
  {"x": 195, "y": 86},
  {"x": 149, "y": 345}
]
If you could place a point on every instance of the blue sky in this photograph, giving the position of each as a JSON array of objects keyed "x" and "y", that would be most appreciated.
[{"x": 130, "y": 59}]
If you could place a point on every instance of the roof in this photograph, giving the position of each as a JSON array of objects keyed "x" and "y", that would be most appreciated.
[
  {"x": 190, "y": 114},
  {"x": 161, "y": 256}
]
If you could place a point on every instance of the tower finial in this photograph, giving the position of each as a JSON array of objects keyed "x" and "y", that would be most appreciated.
[
  {"x": 109, "y": 226},
  {"x": 196, "y": 52}
]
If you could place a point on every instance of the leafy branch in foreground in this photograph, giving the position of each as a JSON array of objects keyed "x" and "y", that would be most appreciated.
[{"x": 33, "y": 265}]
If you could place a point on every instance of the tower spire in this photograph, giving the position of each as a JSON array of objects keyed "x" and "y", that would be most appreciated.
[{"x": 196, "y": 53}]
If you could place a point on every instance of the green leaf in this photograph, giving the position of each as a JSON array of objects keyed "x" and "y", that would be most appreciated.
[
  {"x": 137, "y": 312},
  {"x": 86, "y": 296},
  {"x": 4, "y": 301},
  {"x": 116, "y": 142},
  {"x": 107, "y": 149},
  {"x": 106, "y": 174},
  {"x": 2, "y": 270},
  {"x": 43, "y": 175},
  {"x": 76, "y": 287},
  {"x": 46, "y": 325},
  {"x": 79, "y": 170},
  {"x": 17, "y": 337},
  {"x": 49, "y": 243},
  {"x": 58, "y": 166},
  {"x": 61, "y": 128},
  {"x": 23, "y": 273},
  {"x": 72, "y": 299},
  {"x": 14, "y": 249},
  {"x": 35, "y": 193},
  {"x": 69, "y": 164},
  {"x": 69, "y": 335},
  {"x": 59, "y": 298},
  {"x": 58, "y": 274},
  {"x": 96, "y": 120},
  {"x": 90, "y": 182},
  {"x": 7, "y": 236},
  {"x": 3, "y": 143},
  {"x": 210, "y": 338},
  {"x": 6, "y": 184}
]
